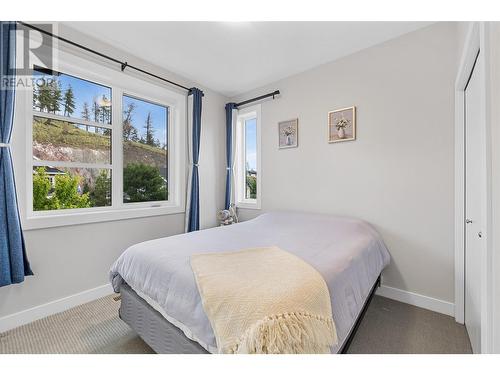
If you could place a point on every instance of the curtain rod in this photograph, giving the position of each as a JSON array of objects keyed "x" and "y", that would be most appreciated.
[
  {"x": 123, "y": 65},
  {"x": 273, "y": 94}
]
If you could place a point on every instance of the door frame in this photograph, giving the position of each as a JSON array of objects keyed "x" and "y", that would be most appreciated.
[{"x": 476, "y": 40}]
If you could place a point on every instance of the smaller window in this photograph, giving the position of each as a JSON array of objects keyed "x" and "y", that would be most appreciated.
[
  {"x": 145, "y": 154},
  {"x": 248, "y": 172}
]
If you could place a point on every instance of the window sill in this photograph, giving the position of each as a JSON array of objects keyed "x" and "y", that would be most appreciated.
[
  {"x": 42, "y": 221},
  {"x": 248, "y": 205}
]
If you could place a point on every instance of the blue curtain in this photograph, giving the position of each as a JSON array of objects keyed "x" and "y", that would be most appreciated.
[
  {"x": 229, "y": 151},
  {"x": 14, "y": 264},
  {"x": 194, "y": 198}
]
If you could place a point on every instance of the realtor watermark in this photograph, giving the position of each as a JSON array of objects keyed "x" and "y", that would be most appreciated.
[{"x": 34, "y": 48}]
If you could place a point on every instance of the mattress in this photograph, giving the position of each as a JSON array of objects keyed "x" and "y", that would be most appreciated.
[{"x": 347, "y": 252}]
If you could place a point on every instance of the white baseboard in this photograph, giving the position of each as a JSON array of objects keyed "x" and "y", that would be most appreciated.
[
  {"x": 418, "y": 300},
  {"x": 27, "y": 316}
]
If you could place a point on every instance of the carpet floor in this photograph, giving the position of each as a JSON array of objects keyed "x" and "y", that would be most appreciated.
[{"x": 388, "y": 327}]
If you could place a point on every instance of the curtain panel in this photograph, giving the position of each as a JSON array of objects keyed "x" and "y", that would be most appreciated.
[
  {"x": 193, "y": 201},
  {"x": 230, "y": 109},
  {"x": 14, "y": 265}
]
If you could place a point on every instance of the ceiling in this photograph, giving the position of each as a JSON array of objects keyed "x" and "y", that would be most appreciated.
[{"x": 235, "y": 57}]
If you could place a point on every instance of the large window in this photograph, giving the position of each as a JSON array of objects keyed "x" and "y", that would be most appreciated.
[
  {"x": 101, "y": 145},
  {"x": 248, "y": 173}
]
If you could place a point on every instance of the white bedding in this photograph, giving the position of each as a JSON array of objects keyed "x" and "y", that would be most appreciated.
[{"x": 348, "y": 253}]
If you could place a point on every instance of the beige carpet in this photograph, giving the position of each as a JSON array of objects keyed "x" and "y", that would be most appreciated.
[
  {"x": 388, "y": 327},
  {"x": 394, "y": 327},
  {"x": 90, "y": 328}
]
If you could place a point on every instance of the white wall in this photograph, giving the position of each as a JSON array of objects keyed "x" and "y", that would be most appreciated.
[
  {"x": 494, "y": 44},
  {"x": 462, "y": 30},
  {"x": 72, "y": 259},
  {"x": 398, "y": 174}
]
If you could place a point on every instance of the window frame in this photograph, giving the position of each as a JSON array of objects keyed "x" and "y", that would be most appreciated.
[
  {"x": 240, "y": 158},
  {"x": 71, "y": 63}
]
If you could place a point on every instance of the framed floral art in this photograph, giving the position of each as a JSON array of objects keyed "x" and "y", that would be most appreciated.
[
  {"x": 288, "y": 133},
  {"x": 342, "y": 125}
]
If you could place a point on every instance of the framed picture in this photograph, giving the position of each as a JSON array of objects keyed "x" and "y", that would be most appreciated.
[
  {"x": 288, "y": 133},
  {"x": 342, "y": 125}
]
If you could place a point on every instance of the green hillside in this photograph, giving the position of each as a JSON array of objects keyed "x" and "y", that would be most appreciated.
[{"x": 65, "y": 134}]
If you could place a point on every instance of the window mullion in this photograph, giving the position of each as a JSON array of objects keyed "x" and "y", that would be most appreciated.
[
  {"x": 73, "y": 120},
  {"x": 69, "y": 164},
  {"x": 117, "y": 149}
]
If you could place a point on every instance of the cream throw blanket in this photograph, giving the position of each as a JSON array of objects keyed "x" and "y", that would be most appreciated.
[{"x": 265, "y": 300}]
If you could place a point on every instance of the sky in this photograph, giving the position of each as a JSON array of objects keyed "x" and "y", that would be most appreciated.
[
  {"x": 140, "y": 114},
  {"x": 86, "y": 91},
  {"x": 251, "y": 143}
]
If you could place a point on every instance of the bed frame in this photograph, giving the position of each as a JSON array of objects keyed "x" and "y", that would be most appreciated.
[
  {"x": 163, "y": 337},
  {"x": 354, "y": 329}
]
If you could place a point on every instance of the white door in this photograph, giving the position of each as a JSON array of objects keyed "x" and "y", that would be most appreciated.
[{"x": 474, "y": 184}]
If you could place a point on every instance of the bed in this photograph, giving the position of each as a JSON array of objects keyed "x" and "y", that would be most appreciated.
[{"x": 160, "y": 300}]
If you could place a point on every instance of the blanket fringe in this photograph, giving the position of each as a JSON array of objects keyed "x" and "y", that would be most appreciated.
[{"x": 288, "y": 333}]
